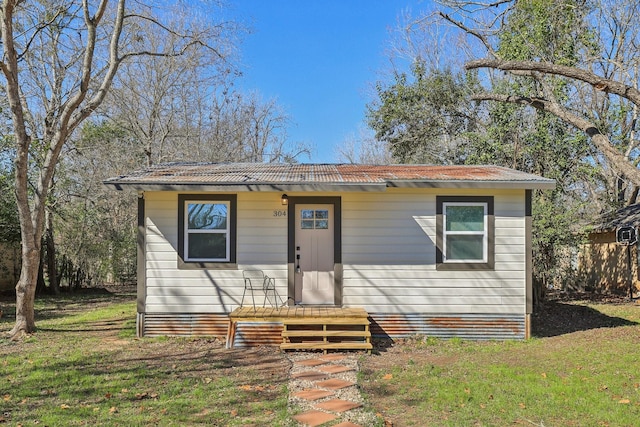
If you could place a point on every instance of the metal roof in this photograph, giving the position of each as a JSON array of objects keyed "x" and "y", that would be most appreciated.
[{"x": 303, "y": 176}]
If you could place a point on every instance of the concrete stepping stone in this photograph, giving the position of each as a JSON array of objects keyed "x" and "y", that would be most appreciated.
[
  {"x": 313, "y": 394},
  {"x": 334, "y": 369},
  {"x": 310, "y": 376},
  {"x": 338, "y": 405},
  {"x": 314, "y": 418},
  {"x": 347, "y": 424},
  {"x": 332, "y": 357},
  {"x": 334, "y": 384},
  {"x": 312, "y": 362}
]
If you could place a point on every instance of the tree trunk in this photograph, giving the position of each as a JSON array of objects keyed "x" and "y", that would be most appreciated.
[
  {"x": 51, "y": 255},
  {"x": 40, "y": 283},
  {"x": 26, "y": 293}
]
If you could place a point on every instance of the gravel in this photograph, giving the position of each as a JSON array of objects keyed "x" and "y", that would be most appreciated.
[{"x": 352, "y": 393}]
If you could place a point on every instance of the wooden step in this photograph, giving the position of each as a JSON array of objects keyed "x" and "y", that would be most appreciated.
[
  {"x": 331, "y": 333},
  {"x": 324, "y": 333},
  {"x": 326, "y": 346},
  {"x": 327, "y": 321}
]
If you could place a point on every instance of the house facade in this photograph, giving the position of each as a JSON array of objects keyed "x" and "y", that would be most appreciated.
[{"x": 436, "y": 250}]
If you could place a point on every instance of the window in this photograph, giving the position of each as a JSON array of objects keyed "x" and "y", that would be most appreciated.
[
  {"x": 465, "y": 232},
  {"x": 206, "y": 225},
  {"x": 465, "y": 227},
  {"x": 314, "y": 219}
]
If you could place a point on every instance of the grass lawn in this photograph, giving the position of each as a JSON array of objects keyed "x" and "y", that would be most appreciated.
[
  {"x": 582, "y": 369},
  {"x": 84, "y": 366}
]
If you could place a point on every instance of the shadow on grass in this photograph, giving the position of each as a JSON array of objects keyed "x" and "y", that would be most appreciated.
[
  {"x": 179, "y": 379},
  {"x": 559, "y": 318},
  {"x": 49, "y": 307}
]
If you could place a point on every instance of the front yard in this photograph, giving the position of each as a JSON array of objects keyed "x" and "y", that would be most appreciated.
[
  {"x": 582, "y": 369},
  {"x": 85, "y": 367}
]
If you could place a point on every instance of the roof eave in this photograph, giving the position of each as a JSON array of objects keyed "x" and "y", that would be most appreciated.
[
  {"x": 355, "y": 187},
  {"x": 173, "y": 186},
  {"x": 513, "y": 185}
]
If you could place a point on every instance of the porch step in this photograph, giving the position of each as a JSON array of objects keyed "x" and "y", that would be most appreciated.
[
  {"x": 326, "y": 346},
  {"x": 326, "y": 333},
  {"x": 327, "y": 321},
  {"x": 318, "y": 333}
]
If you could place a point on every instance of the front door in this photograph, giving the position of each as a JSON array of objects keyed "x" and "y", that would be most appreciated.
[{"x": 314, "y": 255}]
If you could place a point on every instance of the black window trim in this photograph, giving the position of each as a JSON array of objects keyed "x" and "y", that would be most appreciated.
[
  {"x": 460, "y": 266},
  {"x": 232, "y": 199}
]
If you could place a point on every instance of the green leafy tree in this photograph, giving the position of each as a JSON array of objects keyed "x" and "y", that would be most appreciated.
[
  {"x": 581, "y": 62},
  {"x": 409, "y": 114},
  {"x": 95, "y": 227},
  {"x": 9, "y": 222},
  {"x": 423, "y": 117},
  {"x": 576, "y": 64}
]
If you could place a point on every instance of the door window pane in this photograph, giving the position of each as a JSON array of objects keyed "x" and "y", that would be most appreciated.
[
  {"x": 322, "y": 219},
  {"x": 318, "y": 219},
  {"x": 322, "y": 224}
]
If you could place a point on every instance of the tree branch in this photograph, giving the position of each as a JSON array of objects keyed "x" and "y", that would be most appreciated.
[
  {"x": 599, "y": 83},
  {"x": 600, "y": 140},
  {"x": 483, "y": 39}
]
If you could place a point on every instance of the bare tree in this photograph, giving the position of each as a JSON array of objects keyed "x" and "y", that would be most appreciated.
[
  {"x": 244, "y": 128},
  {"x": 185, "y": 109},
  {"x": 364, "y": 148},
  {"x": 162, "y": 101},
  {"x": 59, "y": 61}
]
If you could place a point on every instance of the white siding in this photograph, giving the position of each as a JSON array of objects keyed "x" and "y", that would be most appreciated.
[
  {"x": 388, "y": 255},
  {"x": 261, "y": 244}
]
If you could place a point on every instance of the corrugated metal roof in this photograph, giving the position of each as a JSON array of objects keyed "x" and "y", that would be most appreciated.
[{"x": 234, "y": 174}]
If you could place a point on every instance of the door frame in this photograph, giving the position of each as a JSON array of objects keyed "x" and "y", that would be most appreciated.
[{"x": 336, "y": 201}]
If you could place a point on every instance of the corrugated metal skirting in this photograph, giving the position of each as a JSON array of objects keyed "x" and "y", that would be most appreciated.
[
  {"x": 468, "y": 326},
  {"x": 188, "y": 325},
  {"x": 383, "y": 325},
  {"x": 254, "y": 334}
]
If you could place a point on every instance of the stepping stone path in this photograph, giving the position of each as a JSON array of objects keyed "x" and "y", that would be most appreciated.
[{"x": 324, "y": 388}]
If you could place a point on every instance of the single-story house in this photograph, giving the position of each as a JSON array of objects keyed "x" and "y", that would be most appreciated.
[
  {"x": 605, "y": 264},
  {"x": 437, "y": 250}
]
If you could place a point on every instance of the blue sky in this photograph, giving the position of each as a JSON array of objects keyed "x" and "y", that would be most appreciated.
[{"x": 318, "y": 58}]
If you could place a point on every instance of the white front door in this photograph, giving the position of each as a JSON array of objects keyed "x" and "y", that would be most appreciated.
[{"x": 314, "y": 263}]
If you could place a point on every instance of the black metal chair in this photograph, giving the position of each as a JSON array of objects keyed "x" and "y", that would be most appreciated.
[{"x": 256, "y": 280}]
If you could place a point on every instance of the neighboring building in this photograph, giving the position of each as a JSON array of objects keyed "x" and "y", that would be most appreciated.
[
  {"x": 436, "y": 250},
  {"x": 604, "y": 265}
]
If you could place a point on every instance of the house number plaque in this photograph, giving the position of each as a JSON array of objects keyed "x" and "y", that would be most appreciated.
[{"x": 280, "y": 213}]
